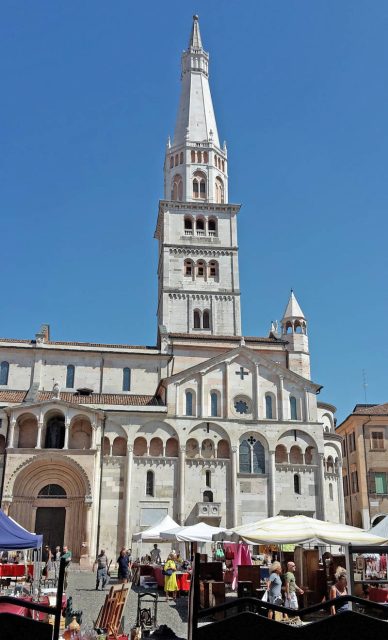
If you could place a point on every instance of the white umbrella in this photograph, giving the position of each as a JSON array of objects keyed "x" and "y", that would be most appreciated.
[
  {"x": 156, "y": 532},
  {"x": 200, "y": 532}
]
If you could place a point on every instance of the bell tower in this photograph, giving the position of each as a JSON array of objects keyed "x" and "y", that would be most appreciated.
[
  {"x": 198, "y": 273},
  {"x": 294, "y": 331}
]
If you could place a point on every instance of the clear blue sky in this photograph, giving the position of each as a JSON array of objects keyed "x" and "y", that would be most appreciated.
[{"x": 89, "y": 92}]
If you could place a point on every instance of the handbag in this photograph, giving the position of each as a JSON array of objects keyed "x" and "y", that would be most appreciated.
[
  {"x": 265, "y": 596},
  {"x": 168, "y": 572}
]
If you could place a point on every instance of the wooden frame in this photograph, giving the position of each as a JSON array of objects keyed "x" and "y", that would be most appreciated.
[{"x": 111, "y": 612}]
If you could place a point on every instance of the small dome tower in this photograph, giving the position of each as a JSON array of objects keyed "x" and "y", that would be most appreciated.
[{"x": 294, "y": 330}]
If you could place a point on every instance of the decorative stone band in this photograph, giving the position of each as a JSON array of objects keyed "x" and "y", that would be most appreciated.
[
  {"x": 200, "y": 296},
  {"x": 187, "y": 251}
]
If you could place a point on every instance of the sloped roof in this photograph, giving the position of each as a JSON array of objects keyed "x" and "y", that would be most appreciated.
[
  {"x": 371, "y": 409},
  {"x": 104, "y": 398},
  {"x": 293, "y": 309}
]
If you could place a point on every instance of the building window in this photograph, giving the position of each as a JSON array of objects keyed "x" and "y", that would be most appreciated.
[
  {"x": 189, "y": 403},
  {"x": 212, "y": 227},
  {"x": 126, "y": 379},
  {"x": 200, "y": 268},
  {"x": 345, "y": 485},
  {"x": 208, "y": 477},
  {"x": 188, "y": 226},
  {"x": 208, "y": 496},
  {"x": 343, "y": 445},
  {"x": 214, "y": 404},
  {"x": 206, "y": 319},
  {"x": 354, "y": 481},
  {"x": 378, "y": 482},
  {"x": 4, "y": 371},
  {"x": 181, "y": 158},
  {"x": 331, "y": 494},
  {"x": 52, "y": 491},
  {"x": 297, "y": 484},
  {"x": 199, "y": 185},
  {"x": 197, "y": 319},
  {"x": 193, "y": 156},
  {"x": 213, "y": 269},
  {"x": 150, "y": 482},
  {"x": 241, "y": 406},
  {"x": 352, "y": 442},
  {"x": 293, "y": 411},
  {"x": 251, "y": 456},
  {"x": 70, "y": 376},
  {"x": 219, "y": 187},
  {"x": 268, "y": 407},
  {"x": 188, "y": 268},
  {"x": 377, "y": 440},
  {"x": 177, "y": 188}
]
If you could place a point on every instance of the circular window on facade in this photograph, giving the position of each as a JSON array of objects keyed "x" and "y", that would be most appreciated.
[{"x": 242, "y": 406}]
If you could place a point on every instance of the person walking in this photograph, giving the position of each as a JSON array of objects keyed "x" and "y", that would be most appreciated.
[
  {"x": 102, "y": 570},
  {"x": 66, "y": 555},
  {"x": 123, "y": 566},
  {"x": 274, "y": 587},
  {"x": 291, "y": 588},
  {"x": 170, "y": 582}
]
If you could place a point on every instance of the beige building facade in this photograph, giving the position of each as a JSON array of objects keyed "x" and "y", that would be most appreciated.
[
  {"x": 365, "y": 464},
  {"x": 98, "y": 441}
]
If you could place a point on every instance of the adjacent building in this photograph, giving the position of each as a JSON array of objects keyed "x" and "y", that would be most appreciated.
[
  {"x": 365, "y": 464},
  {"x": 98, "y": 441}
]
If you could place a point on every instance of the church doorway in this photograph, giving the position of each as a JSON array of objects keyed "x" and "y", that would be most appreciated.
[{"x": 50, "y": 522}]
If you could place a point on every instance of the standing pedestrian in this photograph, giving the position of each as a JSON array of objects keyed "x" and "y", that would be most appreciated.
[
  {"x": 102, "y": 570},
  {"x": 274, "y": 586},
  {"x": 66, "y": 555},
  {"x": 123, "y": 566},
  {"x": 291, "y": 588},
  {"x": 170, "y": 582}
]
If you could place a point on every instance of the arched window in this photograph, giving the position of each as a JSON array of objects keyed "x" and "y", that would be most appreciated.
[
  {"x": 214, "y": 404},
  {"x": 171, "y": 162},
  {"x": 181, "y": 158},
  {"x": 188, "y": 268},
  {"x": 199, "y": 186},
  {"x": 200, "y": 226},
  {"x": 52, "y": 491},
  {"x": 150, "y": 483},
  {"x": 200, "y": 268},
  {"x": 177, "y": 188},
  {"x": 199, "y": 156},
  {"x": 330, "y": 464},
  {"x": 206, "y": 320},
  {"x": 268, "y": 407},
  {"x": 208, "y": 496},
  {"x": 176, "y": 160},
  {"x": 70, "y": 376},
  {"x": 251, "y": 456},
  {"x": 309, "y": 455},
  {"x": 296, "y": 483},
  {"x": 293, "y": 410},
  {"x": 297, "y": 327},
  {"x": 55, "y": 433},
  {"x": 140, "y": 447},
  {"x": 197, "y": 319},
  {"x": 331, "y": 494},
  {"x": 126, "y": 379},
  {"x": 205, "y": 157},
  {"x": 223, "y": 166},
  {"x": 296, "y": 455},
  {"x": 213, "y": 269},
  {"x": 219, "y": 191},
  {"x": 212, "y": 227},
  {"x": 281, "y": 455},
  {"x": 4, "y": 371},
  {"x": 193, "y": 156},
  {"x": 188, "y": 226},
  {"x": 189, "y": 403},
  {"x": 289, "y": 327}
]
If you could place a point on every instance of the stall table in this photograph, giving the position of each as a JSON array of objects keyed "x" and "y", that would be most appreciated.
[
  {"x": 182, "y": 578},
  {"x": 12, "y": 570}
]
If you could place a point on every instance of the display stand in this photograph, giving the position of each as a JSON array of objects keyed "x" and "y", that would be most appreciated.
[
  {"x": 111, "y": 612},
  {"x": 371, "y": 572}
]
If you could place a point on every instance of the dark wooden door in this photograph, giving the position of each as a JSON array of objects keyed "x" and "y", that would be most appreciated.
[{"x": 50, "y": 522}]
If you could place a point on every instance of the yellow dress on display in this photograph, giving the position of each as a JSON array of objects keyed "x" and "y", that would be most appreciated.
[{"x": 170, "y": 583}]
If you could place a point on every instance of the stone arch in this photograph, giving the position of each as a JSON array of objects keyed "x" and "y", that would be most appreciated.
[
  {"x": 192, "y": 448},
  {"x": 140, "y": 446},
  {"x": 119, "y": 447},
  {"x": 27, "y": 431},
  {"x": 212, "y": 429},
  {"x": 296, "y": 455},
  {"x": 54, "y": 429},
  {"x": 281, "y": 454},
  {"x": 172, "y": 448},
  {"x": 80, "y": 436},
  {"x": 223, "y": 450},
  {"x": 207, "y": 448},
  {"x": 157, "y": 429},
  {"x": 304, "y": 438},
  {"x": 156, "y": 447}
]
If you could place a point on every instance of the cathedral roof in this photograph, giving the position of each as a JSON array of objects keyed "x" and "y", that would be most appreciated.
[
  {"x": 203, "y": 336},
  {"x": 18, "y": 397}
]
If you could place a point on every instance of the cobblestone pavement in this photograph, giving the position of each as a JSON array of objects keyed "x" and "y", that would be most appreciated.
[{"x": 82, "y": 589}]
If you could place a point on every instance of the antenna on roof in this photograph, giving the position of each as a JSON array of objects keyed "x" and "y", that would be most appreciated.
[{"x": 364, "y": 384}]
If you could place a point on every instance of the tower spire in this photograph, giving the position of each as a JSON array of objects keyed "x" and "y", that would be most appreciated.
[{"x": 195, "y": 41}]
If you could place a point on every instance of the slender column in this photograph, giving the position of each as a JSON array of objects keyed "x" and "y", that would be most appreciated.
[
  {"x": 94, "y": 435},
  {"x": 67, "y": 430},
  {"x": 233, "y": 487},
  {"x": 88, "y": 525},
  {"x": 127, "y": 494},
  {"x": 255, "y": 391},
  {"x": 272, "y": 485},
  {"x": 11, "y": 437},
  {"x": 202, "y": 408},
  {"x": 306, "y": 411},
  {"x": 96, "y": 499},
  {"x": 321, "y": 488},
  {"x": 341, "y": 504},
  {"x": 226, "y": 391},
  {"x": 281, "y": 394},
  {"x": 177, "y": 410},
  {"x": 39, "y": 435},
  {"x": 181, "y": 496}
]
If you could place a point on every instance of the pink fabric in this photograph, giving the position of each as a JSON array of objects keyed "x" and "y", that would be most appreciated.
[{"x": 242, "y": 555}]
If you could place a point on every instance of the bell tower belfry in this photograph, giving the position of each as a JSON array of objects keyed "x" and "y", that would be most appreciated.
[{"x": 198, "y": 274}]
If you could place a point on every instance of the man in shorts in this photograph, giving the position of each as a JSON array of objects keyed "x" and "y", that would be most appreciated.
[{"x": 291, "y": 588}]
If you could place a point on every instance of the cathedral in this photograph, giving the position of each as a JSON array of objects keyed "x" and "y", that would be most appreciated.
[{"x": 99, "y": 441}]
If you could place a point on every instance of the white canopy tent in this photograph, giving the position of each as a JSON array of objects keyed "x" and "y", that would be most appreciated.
[
  {"x": 200, "y": 532},
  {"x": 299, "y": 530},
  {"x": 156, "y": 532},
  {"x": 381, "y": 528}
]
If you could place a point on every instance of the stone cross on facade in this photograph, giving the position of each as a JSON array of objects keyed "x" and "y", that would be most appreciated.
[
  {"x": 251, "y": 440},
  {"x": 242, "y": 373}
]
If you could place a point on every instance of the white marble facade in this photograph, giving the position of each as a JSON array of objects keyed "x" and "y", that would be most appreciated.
[{"x": 207, "y": 425}]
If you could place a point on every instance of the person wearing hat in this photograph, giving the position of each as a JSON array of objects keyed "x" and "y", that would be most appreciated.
[{"x": 102, "y": 570}]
